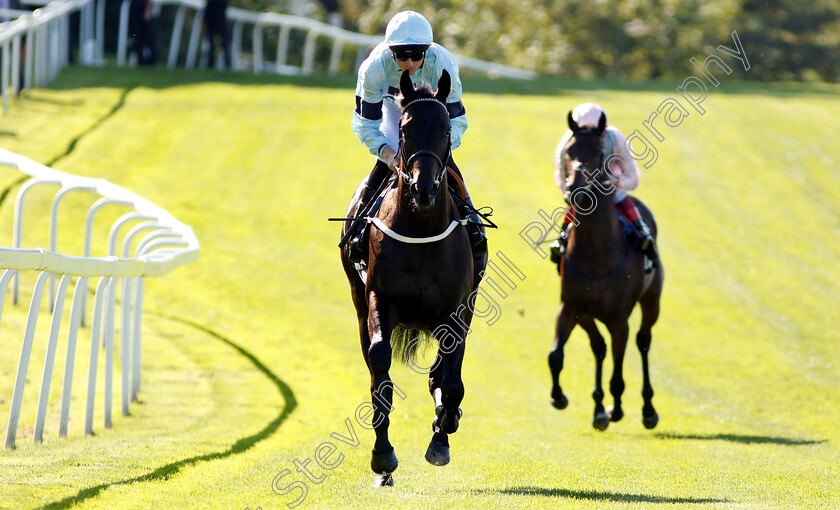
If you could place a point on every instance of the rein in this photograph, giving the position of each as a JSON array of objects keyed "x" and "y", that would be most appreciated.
[
  {"x": 405, "y": 162},
  {"x": 602, "y": 184}
]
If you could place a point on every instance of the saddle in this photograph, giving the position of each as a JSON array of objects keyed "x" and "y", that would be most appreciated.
[
  {"x": 376, "y": 203},
  {"x": 457, "y": 185},
  {"x": 370, "y": 212},
  {"x": 557, "y": 250},
  {"x": 635, "y": 242},
  {"x": 465, "y": 208}
]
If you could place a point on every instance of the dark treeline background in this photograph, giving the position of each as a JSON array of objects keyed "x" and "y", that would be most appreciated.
[{"x": 619, "y": 39}]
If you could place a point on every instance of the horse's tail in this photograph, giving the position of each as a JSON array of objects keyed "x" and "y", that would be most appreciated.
[{"x": 405, "y": 343}]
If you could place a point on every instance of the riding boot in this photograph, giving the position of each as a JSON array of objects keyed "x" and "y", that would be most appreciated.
[
  {"x": 357, "y": 246},
  {"x": 475, "y": 227},
  {"x": 647, "y": 243},
  {"x": 558, "y": 247}
]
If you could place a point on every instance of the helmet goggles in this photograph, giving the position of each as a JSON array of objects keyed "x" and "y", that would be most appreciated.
[{"x": 415, "y": 52}]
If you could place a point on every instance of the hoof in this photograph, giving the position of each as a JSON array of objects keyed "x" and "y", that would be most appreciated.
[
  {"x": 383, "y": 481},
  {"x": 615, "y": 414},
  {"x": 438, "y": 453},
  {"x": 384, "y": 463},
  {"x": 601, "y": 421},
  {"x": 559, "y": 402},
  {"x": 650, "y": 420}
]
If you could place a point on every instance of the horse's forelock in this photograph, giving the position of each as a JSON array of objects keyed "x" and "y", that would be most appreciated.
[
  {"x": 588, "y": 138},
  {"x": 422, "y": 92},
  {"x": 587, "y": 135}
]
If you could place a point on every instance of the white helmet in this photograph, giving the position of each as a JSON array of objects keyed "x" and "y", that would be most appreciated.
[
  {"x": 588, "y": 114},
  {"x": 408, "y": 28}
]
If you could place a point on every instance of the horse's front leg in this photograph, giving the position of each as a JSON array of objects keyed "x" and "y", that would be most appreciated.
[
  {"x": 380, "y": 325},
  {"x": 601, "y": 418},
  {"x": 619, "y": 331},
  {"x": 447, "y": 388},
  {"x": 565, "y": 324}
]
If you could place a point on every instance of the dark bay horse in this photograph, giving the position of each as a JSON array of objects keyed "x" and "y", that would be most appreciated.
[
  {"x": 603, "y": 277},
  {"x": 420, "y": 274}
]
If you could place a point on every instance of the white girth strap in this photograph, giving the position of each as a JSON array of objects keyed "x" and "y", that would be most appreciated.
[{"x": 415, "y": 240}]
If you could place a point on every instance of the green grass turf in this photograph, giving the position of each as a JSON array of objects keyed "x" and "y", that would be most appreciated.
[{"x": 251, "y": 356}]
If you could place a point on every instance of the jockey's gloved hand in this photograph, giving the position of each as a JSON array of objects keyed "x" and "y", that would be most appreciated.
[{"x": 389, "y": 156}]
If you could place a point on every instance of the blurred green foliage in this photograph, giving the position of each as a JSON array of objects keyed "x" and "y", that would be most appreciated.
[
  {"x": 612, "y": 39},
  {"x": 626, "y": 39}
]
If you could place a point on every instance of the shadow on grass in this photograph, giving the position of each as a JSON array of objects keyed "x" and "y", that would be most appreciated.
[
  {"x": 56, "y": 102},
  {"x": 604, "y": 496},
  {"x": 4, "y": 193},
  {"x": 239, "y": 446},
  {"x": 110, "y": 113},
  {"x": 739, "y": 438}
]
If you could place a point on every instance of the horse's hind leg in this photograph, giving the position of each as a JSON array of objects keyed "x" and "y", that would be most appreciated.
[
  {"x": 447, "y": 389},
  {"x": 437, "y": 453},
  {"x": 650, "y": 313},
  {"x": 565, "y": 324},
  {"x": 601, "y": 418}
]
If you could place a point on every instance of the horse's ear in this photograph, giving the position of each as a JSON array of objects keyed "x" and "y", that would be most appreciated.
[
  {"x": 572, "y": 124},
  {"x": 406, "y": 87},
  {"x": 602, "y": 123},
  {"x": 444, "y": 86}
]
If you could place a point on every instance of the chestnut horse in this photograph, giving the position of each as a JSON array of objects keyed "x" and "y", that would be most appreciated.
[
  {"x": 603, "y": 277},
  {"x": 420, "y": 274}
]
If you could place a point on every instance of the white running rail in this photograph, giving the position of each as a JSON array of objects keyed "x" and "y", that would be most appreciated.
[
  {"x": 166, "y": 244},
  {"x": 259, "y": 22},
  {"x": 45, "y": 33}
]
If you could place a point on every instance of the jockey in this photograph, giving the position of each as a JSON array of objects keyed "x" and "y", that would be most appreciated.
[
  {"x": 408, "y": 46},
  {"x": 623, "y": 172}
]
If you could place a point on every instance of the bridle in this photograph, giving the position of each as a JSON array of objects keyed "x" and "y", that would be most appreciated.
[
  {"x": 405, "y": 162},
  {"x": 578, "y": 167},
  {"x": 603, "y": 183}
]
